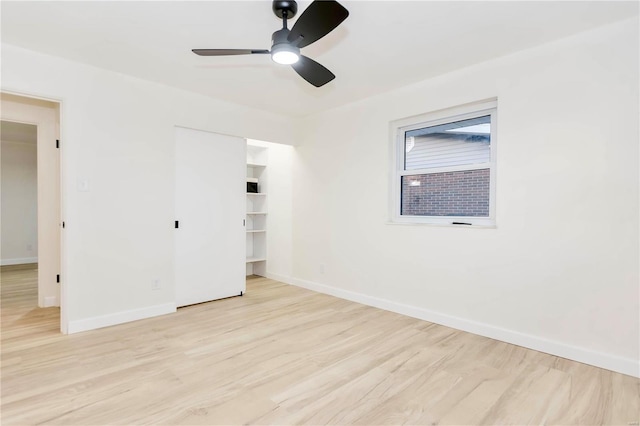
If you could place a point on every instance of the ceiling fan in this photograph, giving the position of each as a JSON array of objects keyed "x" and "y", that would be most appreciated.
[{"x": 318, "y": 20}]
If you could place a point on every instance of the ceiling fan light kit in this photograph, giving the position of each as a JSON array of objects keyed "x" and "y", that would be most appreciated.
[
  {"x": 282, "y": 51},
  {"x": 318, "y": 20}
]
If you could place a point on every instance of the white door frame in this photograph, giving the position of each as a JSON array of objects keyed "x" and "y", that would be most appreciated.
[{"x": 31, "y": 117}]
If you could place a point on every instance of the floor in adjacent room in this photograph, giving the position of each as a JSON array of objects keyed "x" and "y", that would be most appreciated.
[{"x": 286, "y": 355}]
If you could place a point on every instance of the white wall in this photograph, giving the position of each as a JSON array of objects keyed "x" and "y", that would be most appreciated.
[
  {"x": 117, "y": 136},
  {"x": 560, "y": 271},
  {"x": 19, "y": 240}
]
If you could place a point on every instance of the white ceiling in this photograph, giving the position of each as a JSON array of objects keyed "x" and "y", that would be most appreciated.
[
  {"x": 18, "y": 132},
  {"x": 381, "y": 46}
]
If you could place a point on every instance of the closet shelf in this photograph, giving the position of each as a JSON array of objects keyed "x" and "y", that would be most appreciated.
[{"x": 256, "y": 206}]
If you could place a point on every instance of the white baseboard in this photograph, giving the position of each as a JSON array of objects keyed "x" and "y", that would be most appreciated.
[
  {"x": 50, "y": 301},
  {"x": 622, "y": 365},
  {"x": 18, "y": 261},
  {"x": 282, "y": 278},
  {"x": 120, "y": 317}
]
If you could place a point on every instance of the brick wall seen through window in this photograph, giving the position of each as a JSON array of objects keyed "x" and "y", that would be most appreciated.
[{"x": 461, "y": 193}]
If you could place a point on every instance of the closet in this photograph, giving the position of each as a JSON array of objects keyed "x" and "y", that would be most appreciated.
[{"x": 256, "y": 241}]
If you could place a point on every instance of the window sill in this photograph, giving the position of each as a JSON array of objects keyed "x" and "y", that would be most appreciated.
[{"x": 445, "y": 225}]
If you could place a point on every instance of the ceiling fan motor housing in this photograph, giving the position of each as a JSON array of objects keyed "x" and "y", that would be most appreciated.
[{"x": 281, "y": 37}]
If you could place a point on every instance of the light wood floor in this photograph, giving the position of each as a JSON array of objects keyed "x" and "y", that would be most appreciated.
[{"x": 285, "y": 355}]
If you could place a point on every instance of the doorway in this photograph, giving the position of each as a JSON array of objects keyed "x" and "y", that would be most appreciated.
[
  {"x": 19, "y": 189},
  {"x": 34, "y": 189}
]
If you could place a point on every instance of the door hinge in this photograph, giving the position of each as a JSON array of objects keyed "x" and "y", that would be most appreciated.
[
  {"x": 58, "y": 278},
  {"x": 57, "y": 143},
  {"x": 177, "y": 225}
]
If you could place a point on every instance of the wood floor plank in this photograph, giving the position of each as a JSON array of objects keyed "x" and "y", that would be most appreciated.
[{"x": 285, "y": 355}]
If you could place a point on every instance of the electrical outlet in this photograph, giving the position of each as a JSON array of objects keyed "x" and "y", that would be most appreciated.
[
  {"x": 155, "y": 285},
  {"x": 321, "y": 269},
  {"x": 83, "y": 185}
]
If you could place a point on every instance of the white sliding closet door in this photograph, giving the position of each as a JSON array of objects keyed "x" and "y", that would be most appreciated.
[{"x": 210, "y": 210}]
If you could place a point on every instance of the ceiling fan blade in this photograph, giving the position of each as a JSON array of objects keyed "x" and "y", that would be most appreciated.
[
  {"x": 318, "y": 20},
  {"x": 312, "y": 71},
  {"x": 228, "y": 52}
]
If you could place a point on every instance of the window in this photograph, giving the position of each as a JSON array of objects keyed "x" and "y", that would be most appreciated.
[{"x": 445, "y": 166}]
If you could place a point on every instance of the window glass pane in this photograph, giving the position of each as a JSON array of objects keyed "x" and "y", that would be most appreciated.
[
  {"x": 453, "y": 144},
  {"x": 461, "y": 193}
]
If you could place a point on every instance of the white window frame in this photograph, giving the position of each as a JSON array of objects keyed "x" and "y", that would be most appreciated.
[{"x": 449, "y": 115}]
